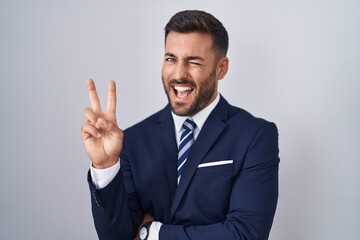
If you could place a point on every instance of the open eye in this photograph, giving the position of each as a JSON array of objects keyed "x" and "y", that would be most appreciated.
[{"x": 170, "y": 59}]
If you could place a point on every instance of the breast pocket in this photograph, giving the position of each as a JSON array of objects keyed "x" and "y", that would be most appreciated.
[
  {"x": 215, "y": 167},
  {"x": 210, "y": 189}
]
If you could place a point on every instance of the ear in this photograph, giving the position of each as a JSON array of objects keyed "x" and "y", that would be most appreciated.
[{"x": 222, "y": 68}]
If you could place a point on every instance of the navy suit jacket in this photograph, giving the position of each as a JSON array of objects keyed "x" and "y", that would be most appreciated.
[{"x": 231, "y": 201}]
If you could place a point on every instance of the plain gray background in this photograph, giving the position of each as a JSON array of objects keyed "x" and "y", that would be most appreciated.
[{"x": 292, "y": 62}]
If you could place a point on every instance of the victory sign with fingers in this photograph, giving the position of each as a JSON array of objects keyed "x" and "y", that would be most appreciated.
[{"x": 101, "y": 135}]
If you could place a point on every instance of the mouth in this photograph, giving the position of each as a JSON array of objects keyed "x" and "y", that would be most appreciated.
[{"x": 182, "y": 92}]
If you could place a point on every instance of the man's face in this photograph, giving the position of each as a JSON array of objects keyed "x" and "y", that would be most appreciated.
[{"x": 189, "y": 72}]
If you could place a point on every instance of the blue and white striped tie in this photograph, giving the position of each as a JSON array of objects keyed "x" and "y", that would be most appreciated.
[{"x": 186, "y": 140}]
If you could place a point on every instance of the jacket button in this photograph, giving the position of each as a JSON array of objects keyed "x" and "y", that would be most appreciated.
[{"x": 96, "y": 198}]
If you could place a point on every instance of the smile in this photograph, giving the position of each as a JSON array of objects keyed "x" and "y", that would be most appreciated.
[{"x": 183, "y": 92}]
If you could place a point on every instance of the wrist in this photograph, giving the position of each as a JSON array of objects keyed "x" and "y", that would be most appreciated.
[
  {"x": 102, "y": 177},
  {"x": 106, "y": 164},
  {"x": 144, "y": 231}
]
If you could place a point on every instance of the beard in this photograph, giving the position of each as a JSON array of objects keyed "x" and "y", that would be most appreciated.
[{"x": 203, "y": 95}]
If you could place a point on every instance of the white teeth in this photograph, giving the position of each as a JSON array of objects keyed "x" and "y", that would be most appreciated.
[{"x": 182, "y": 89}]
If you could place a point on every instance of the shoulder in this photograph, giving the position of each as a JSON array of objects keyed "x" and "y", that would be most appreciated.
[
  {"x": 242, "y": 120},
  {"x": 246, "y": 131},
  {"x": 241, "y": 115},
  {"x": 236, "y": 116}
]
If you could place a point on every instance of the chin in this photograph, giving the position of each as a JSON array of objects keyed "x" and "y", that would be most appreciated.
[
  {"x": 184, "y": 110},
  {"x": 179, "y": 109}
]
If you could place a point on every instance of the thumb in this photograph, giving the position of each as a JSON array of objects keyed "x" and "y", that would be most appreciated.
[{"x": 106, "y": 125}]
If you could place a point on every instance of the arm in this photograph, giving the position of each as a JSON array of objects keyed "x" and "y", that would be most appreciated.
[
  {"x": 253, "y": 198},
  {"x": 115, "y": 217}
]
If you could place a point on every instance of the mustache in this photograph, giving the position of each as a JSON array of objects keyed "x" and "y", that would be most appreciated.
[{"x": 182, "y": 82}]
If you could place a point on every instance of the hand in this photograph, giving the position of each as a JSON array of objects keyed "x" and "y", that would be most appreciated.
[{"x": 101, "y": 135}]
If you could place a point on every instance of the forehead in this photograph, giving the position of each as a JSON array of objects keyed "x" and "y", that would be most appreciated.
[{"x": 189, "y": 44}]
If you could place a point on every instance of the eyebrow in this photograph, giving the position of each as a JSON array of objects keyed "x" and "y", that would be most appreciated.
[
  {"x": 187, "y": 58},
  {"x": 169, "y": 55}
]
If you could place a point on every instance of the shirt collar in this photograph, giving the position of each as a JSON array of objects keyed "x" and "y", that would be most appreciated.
[{"x": 198, "y": 118}]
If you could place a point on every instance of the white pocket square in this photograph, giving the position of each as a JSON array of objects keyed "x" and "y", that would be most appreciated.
[{"x": 217, "y": 163}]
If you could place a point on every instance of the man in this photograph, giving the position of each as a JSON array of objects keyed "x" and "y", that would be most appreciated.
[{"x": 199, "y": 168}]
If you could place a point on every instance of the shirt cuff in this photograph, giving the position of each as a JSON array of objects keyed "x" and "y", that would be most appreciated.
[
  {"x": 154, "y": 230},
  {"x": 102, "y": 177}
]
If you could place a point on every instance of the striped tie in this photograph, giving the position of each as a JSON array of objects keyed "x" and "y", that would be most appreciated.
[{"x": 186, "y": 140}]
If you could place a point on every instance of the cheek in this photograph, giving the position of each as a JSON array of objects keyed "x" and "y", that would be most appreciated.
[
  {"x": 166, "y": 71},
  {"x": 199, "y": 78}
]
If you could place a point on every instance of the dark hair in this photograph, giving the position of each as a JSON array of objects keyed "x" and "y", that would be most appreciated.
[{"x": 200, "y": 21}]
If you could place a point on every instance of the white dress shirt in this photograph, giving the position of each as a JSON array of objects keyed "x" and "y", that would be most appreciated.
[{"x": 102, "y": 177}]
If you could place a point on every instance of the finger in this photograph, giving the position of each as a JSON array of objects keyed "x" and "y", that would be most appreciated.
[
  {"x": 90, "y": 116},
  {"x": 93, "y": 96},
  {"x": 105, "y": 125},
  {"x": 111, "y": 101},
  {"x": 88, "y": 130}
]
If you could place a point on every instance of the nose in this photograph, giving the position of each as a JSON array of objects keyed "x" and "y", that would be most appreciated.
[{"x": 180, "y": 71}]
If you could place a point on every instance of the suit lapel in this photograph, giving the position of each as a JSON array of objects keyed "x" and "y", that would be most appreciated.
[
  {"x": 211, "y": 130},
  {"x": 167, "y": 140}
]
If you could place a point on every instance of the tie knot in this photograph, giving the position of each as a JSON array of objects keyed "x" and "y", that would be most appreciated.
[{"x": 189, "y": 125}]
